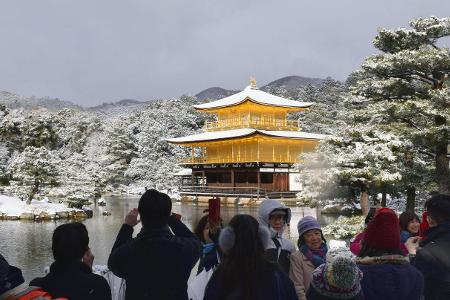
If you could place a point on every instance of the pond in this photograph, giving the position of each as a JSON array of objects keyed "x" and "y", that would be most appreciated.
[{"x": 27, "y": 245}]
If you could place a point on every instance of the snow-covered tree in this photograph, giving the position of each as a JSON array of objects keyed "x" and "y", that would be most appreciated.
[
  {"x": 361, "y": 158},
  {"x": 326, "y": 116},
  {"x": 121, "y": 148},
  {"x": 4, "y": 158},
  {"x": 405, "y": 90},
  {"x": 36, "y": 128},
  {"x": 157, "y": 160},
  {"x": 32, "y": 169}
]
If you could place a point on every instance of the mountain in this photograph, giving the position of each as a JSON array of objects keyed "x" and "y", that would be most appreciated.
[
  {"x": 288, "y": 82},
  {"x": 12, "y": 101},
  {"x": 293, "y": 82},
  {"x": 120, "y": 103},
  {"x": 214, "y": 93}
]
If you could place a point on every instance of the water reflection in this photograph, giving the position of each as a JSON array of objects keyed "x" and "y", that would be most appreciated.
[{"x": 28, "y": 244}]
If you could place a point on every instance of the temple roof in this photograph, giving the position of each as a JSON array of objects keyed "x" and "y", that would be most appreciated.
[
  {"x": 255, "y": 95},
  {"x": 236, "y": 133}
]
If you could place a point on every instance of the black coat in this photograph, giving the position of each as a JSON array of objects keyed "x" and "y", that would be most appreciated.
[
  {"x": 156, "y": 264},
  {"x": 433, "y": 260},
  {"x": 274, "y": 284},
  {"x": 74, "y": 281}
]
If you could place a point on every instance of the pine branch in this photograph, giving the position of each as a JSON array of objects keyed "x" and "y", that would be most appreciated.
[
  {"x": 410, "y": 123},
  {"x": 427, "y": 153}
]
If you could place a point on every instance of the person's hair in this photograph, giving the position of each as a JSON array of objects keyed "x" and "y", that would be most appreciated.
[
  {"x": 370, "y": 215},
  {"x": 372, "y": 252},
  {"x": 405, "y": 218},
  {"x": 70, "y": 241},
  {"x": 301, "y": 239},
  {"x": 198, "y": 231},
  {"x": 243, "y": 266},
  {"x": 154, "y": 208},
  {"x": 438, "y": 208}
]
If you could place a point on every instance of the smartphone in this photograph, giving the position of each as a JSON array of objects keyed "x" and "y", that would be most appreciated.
[{"x": 214, "y": 210}]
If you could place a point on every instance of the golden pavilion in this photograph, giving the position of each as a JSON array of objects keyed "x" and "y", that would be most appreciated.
[{"x": 248, "y": 150}]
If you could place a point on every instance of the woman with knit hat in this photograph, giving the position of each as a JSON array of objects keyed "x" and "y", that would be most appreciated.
[
  {"x": 387, "y": 273},
  {"x": 311, "y": 254},
  {"x": 338, "y": 278}
]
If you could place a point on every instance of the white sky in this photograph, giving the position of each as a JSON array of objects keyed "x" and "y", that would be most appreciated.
[{"x": 94, "y": 51}]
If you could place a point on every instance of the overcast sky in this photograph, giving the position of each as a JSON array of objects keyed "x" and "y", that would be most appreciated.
[{"x": 94, "y": 51}]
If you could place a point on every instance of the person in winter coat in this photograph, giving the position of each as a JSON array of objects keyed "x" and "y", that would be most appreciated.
[
  {"x": 276, "y": 216},
  {"x": 11, "y": 278},
  {"x": 338, "y": 278},
  {"x": 311, "y": 254},
  {"x": 245, "y": 273},
  {"x": 157, "y": 263},
  {"x": 355, "y": 243},
  {"x": 409, "y": 225},
  {"x": 71, "y": 274},
  {"x": 432, "y": 258},
  {"x": 210, "y": 257},
  {"x": 387, "y": 273}
]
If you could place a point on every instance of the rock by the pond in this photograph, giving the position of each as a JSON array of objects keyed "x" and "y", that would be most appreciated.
[
  {"x": 62, "y": 214},
  {"x": 106, "y": 213},
  {"x": 101, "y": 202},
  {"x": 332, "y": 209},
  {"x": 79, "y": 214},
  {"x": 88, "y": 211},
  {"x": 26, "y": 216}
]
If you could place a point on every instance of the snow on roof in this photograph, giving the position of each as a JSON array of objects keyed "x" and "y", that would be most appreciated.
[
  {"x": 255, "y": 95},
  {"x": 183, "y": 172},
  {"x": 228, "y": 134}
]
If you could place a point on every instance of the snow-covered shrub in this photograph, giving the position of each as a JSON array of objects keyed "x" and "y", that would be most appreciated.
[{"x": 344, "y": 227}]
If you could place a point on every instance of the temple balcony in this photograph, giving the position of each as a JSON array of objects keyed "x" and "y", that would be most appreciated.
[
  {"x": 267, "y": 158},
  {"x": 256, "y": 123}
]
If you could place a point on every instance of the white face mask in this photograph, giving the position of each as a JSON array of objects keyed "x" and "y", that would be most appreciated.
[{"x": 274, "y": 233}]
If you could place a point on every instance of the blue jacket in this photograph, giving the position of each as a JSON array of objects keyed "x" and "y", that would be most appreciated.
[
  {"x": 391, "y": 282},
  {"x": 156, "y": 264},
  {"x": 404, "y": 236}
]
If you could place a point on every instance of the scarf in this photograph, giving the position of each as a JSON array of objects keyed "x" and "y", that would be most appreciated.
[
  {"x": 208, "y": 248},
  {"x": 316, "y": 256}
]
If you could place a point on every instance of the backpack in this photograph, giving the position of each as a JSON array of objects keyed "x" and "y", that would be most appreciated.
[{"x": 32, "y": 293}]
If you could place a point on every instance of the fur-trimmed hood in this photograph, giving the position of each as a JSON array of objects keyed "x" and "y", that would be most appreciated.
[{"x": 268, "y": 206}]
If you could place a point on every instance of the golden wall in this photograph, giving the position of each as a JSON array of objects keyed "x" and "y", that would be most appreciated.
[{"x": 257, "y": 148}]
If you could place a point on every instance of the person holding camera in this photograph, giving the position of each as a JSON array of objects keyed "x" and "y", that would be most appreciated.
[{"x": 157, "y": 263}]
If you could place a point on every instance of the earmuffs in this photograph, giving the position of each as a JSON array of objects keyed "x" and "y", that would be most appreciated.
[{"x": 227, "y": 238}]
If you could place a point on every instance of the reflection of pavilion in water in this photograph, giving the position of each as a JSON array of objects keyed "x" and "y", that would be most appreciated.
[{"x": 249, "y": 150}]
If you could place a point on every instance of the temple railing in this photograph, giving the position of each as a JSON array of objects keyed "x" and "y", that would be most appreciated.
[
  {"x": 257, "y": 123},
  {"x": 242, "y": 159},
  {"x": 221, "y": 191}
]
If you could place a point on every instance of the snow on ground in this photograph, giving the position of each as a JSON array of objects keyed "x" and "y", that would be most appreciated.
[{"x": 14, "y": 207}]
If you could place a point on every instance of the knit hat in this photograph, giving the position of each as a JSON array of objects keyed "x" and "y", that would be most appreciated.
[
  {"x": 307, "y": 223},
  {"x": 383, "y": 232},
  {"x": 339, "y": 278}
]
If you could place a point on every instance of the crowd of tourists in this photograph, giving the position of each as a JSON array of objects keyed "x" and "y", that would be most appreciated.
[{"x": 398, "y": 258}]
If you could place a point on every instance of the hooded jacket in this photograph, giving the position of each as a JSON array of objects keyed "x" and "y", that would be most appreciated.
[{"x": 279, "y": 249}]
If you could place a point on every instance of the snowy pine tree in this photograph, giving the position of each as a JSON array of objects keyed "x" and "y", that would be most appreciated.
[
  {"x": 406, "y": 90},
  {"x": 32, "y": 169}
]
